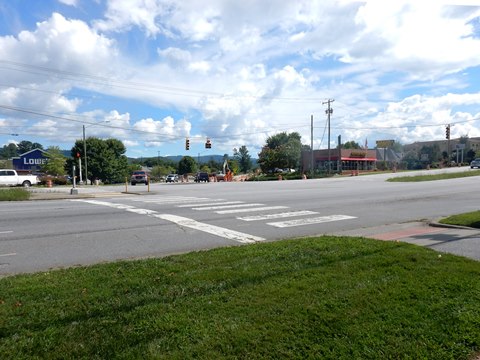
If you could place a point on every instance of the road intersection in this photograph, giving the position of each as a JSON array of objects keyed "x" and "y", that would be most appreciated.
[{"x": 107, "y": 225}]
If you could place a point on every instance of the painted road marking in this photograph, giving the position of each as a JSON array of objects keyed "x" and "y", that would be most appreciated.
[
  {"x": 172, "y": 200},
  {"x": 239, "y": 204},
  {"x": 6, "y": 232},
  {"x": 209, "y": 203},
  {"x": 277, "y": 216},
  {"x": 182, "y": 221},
  {"x": 206, "y": 206},
  {"x": 310, "y": 221},
  {"x": 264, "y": 208},
  {"x": 211, "y": 229},
  {"x": 11, "y": 254}
]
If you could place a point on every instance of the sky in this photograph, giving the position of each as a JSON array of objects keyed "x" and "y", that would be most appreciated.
[{"x": 152, "y": 73}]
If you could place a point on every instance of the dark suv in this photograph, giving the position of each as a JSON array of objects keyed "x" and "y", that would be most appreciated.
[
  {"x": 202, "y": 176},
  {"x": 139, "y": 177}
]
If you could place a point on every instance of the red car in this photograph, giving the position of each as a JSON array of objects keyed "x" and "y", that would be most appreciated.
[{"x": 139, "y": 177}]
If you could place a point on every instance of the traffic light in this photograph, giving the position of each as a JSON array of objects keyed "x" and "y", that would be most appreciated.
[
  {"x": 447, "y": 132},
  {"x": 208, "y": 144},
  {"x": 187, "y": 144}
]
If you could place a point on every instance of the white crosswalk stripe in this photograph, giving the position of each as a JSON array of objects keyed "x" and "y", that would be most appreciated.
[
  {"x": 174, "y": 200},
  {"x": 277, "y": 215},
  {"x": 224, "y": 207},
  {"x": 264, "y": 208},
  {"x": 310, "y": 221},
  {"x": 182, "y": 221},
  {"x": 239, "y": 204}
]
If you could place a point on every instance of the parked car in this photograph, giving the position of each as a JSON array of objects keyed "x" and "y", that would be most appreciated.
[
  {"x": 475, "y": 163},
  {"x": 10, "y": 177},
  {"x": 172, "y": 178},
  {"x": 139, "y": 177},
  {"x": 202, "y": 176},
  {"x": 220, "y": 177}
]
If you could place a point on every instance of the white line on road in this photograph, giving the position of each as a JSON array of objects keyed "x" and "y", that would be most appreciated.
[
  {"x": 310, "y": 221},
  {"x": 11, "y": 254},
  {"x": 182, "y": 221},
  {"x": 277, "y": 216},
  {"x": 235, "y": 204},
  {"x": 264, "y": 208},
  {"x": 209, "y": 203},
  {"x": 211, "y": 229},
  {"x": 173, "y": 200},
  {"x": 6, "y": 232}
]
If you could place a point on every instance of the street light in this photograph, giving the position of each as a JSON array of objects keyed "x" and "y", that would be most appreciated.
[{"x": 85, "y": 148}]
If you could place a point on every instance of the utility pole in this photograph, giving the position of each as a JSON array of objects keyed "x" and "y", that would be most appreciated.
[
  {"x": 85, "y": 156},
  {"x": 329, "y": 111},
  {"x": 311, "y": 146}
]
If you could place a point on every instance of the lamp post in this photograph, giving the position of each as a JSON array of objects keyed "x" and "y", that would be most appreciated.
[{"x": 85, "y": 148}]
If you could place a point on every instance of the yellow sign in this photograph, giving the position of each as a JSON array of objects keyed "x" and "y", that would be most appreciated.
[{"x": 385, "y": 143}]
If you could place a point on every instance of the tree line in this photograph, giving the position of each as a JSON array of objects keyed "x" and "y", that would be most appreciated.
[{"x": 108, "y": 163}]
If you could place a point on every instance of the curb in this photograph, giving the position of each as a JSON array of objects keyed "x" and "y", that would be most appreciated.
[{"x": 450, "y": 226}]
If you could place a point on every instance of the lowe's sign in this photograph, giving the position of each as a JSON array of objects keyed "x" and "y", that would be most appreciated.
[{"x": 30, "y": 161}]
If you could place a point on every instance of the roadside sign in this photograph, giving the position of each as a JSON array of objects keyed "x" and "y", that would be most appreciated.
[{"x": 385, "y": 143}]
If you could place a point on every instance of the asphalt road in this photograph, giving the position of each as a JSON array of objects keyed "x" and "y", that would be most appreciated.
[{"x": 176, "y": 218}]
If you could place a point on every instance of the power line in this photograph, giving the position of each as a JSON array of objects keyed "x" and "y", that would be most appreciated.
[{"x": 99, "y": 80}]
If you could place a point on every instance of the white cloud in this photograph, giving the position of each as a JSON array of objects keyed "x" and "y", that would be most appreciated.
[
  {"x": 69, "y": 2},
  {"x": 244, "y": 70},
  {"x": 162, "y": 131}
]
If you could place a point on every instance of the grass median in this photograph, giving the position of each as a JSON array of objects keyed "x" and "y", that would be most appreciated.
[
  {"x": 417, "y": 178},
  {"x": 470, "y": 219},
  {"x": 325, "y": 297},
  {"x": 14, "y": 194}
]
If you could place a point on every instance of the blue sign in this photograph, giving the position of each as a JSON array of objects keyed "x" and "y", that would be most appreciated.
[{"x": 30, "y": 161}]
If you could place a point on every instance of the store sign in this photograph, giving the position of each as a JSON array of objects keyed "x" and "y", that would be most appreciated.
[
  {"x": 30, "y": 161},
  {"x": 40, "y": 161},
  {"x": 385, "y": 143},
  {"x": 358, "y": 154}
]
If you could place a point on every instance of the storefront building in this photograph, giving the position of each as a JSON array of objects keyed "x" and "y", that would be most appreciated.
[{"x": 340, "y": 160}]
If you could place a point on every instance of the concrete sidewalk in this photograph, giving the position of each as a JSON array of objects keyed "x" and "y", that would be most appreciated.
[
  {"x": 456, "y": 240},
  {"x": 66, "y": 192}
]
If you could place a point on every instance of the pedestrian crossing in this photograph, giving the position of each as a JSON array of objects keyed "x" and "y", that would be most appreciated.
[{"x": 263, "y": 211}]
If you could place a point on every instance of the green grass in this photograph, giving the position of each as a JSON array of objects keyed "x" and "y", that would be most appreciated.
[
  {"x": 318, "y": 298},
  {"x": 14, "y": 194},
  {"x": 435, "y": 176},
  {"x": 471, "y": 219}
]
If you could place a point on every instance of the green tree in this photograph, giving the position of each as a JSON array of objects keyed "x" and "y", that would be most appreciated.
[
  {"x": 470, "y": 155},
  {"x": 281, "y": 151},
  {"x": 187, "y": 165},
  {"x": 105, "y": 158},
  {"x": 351, "y": 145},
  {"x": 26, "y": 146},
  {"x": 433, "y": 153},
  {"x": 56, "y": 162},
  {"x": 243, "y": 159},
  {"x": 161, "y": 170},
  {"x": 9, "y": 151},
  {"x": 214, "y": 166}
]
